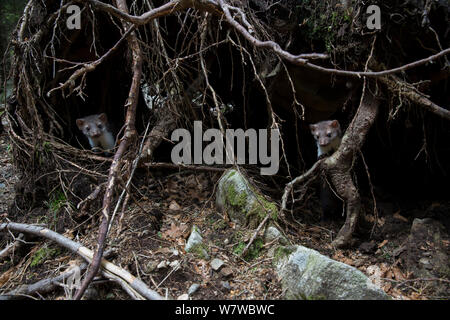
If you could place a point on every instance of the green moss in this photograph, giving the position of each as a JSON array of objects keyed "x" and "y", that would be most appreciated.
[
  {"x": 237, "y": 249},
  {"x": 324, "y": 23},
  {"x": 43, "y": 254},
  {"x": 260, "y": 209},
  {"x": 236, "y": 199},
  {"x": 200, "y": 250},
  {"x": 255, "y": 249},
  {"x": 57, "y": 201},
  {"x": 219, "y": 225},
  {"x": 239, "y": 202},
  {"x": 282, "y": 252},
  {"x": 231, "y": 173}
]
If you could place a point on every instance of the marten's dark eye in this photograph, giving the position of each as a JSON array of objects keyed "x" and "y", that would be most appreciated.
[
  {"x": 100, "y": 126},
  {"x": 87, "y": 128},
  {"x": 317, "y": 136},
  {"x": 329, "y": 135}
]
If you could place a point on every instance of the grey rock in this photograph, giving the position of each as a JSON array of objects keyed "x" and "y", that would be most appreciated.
[
  {"x": 163, "y": 264},
  {"x": 193, "y": 288},
  {"x": 216, "y": 264},
  {"x": 225, "y": 284},
  {"x": 194, "y": 239},
  {"x": 184, "y": 296},
  {"x": 195, "y": 244},
  {"x": 272, "y": 234},
  {"x": 307, "y": 274}
]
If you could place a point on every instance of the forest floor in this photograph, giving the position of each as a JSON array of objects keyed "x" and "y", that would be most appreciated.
[{"x": 148, "y": 240}]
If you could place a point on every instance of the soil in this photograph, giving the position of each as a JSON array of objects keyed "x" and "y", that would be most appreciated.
[{"x": 149, "y": 237}]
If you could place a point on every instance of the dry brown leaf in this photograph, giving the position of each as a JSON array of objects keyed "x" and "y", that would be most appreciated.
[
  {"x": 175, "y": 231},
  {"x": 6, "y": 276},
  {"x": 398, "y": 275}
]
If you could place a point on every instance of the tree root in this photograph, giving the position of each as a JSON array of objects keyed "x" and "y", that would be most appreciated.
[{"x": 339, "y": 165}]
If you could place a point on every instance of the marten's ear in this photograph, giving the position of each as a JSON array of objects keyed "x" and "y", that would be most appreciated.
[
  {"x": 80, "y": 123},
  {"x": 102, "y": 117},
  {"x": 334, "y": 124},
  {"x": 312, "y": 127}
]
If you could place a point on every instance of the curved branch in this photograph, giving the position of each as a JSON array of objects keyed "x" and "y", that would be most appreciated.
[
  {"x": 75, "y": 247},
  {"x": 220, "y": 8},
  {"x": 300, "y": 61}
]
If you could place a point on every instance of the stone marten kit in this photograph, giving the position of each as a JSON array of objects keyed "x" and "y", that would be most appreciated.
[
  {"x": 328, "y": 136},
  {"x": 97, "y": 130}
]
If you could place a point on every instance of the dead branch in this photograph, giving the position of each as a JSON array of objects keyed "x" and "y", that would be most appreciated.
[
  {"x": 43, "y": 286},
  {"x": 86, "y": 68},
  {"x": 135, "y": 284},
  {"x": 406, "y": 90},
  {"x": 254, "y": 235}
]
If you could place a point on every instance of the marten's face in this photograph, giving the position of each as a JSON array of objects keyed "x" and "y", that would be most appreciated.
[
  {"x": 325, "y": 132},
  {"x": 93, "y": 126}
]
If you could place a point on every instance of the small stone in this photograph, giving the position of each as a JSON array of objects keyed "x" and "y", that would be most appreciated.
[
  {"x": 225, "y": 284},
  {"x": 193, "y": 288},
  {"x": 175, "y": 252},
  {"x": 174, "y": 206},
  {"x": 424, "y": 261},
  {"x": 226, "y": 241},
  {"x": 216, "y": 264},
  {"x": 226, "y": 272},
  {"x": 175, "y": 264},
  {"x": 184, "y": 296},
  {"x": 152, "y": 265},
  {"x": 163, "y": 264},
  {"x": 194, "y": 239}
]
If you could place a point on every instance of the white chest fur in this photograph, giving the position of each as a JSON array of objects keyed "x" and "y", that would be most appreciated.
[
  {"x": 329, "y": 148},
  {"x": 105, "y": 141}
]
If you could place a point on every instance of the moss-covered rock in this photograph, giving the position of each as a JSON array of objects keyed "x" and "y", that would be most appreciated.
[
  {"x": 243, "y": 203},
  {"x": 308, "y": 275}
]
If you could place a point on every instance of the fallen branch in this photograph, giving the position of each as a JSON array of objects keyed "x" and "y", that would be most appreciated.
[
  {"x": 255, "y": 234},
  {"x": 42, "y": 286},
  {"x": 126, "y": 277}
]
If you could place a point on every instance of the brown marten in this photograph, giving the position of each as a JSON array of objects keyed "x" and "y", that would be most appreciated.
[
  {"x": 97, "y": 129},
  {"x": 328, "y": 136}
]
